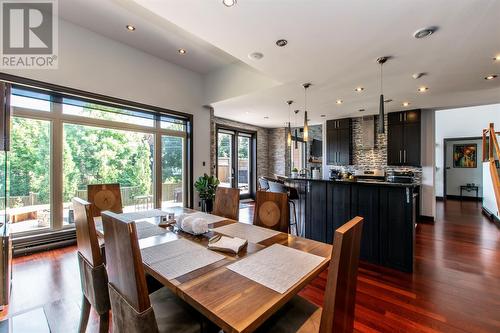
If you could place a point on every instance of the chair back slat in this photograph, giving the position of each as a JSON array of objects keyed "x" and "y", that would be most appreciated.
[
  {"x": 340, "y": 293},
  {"x": 124, "y": 261},
  {"x": 271, "y": 211},
  {"x": 227, "y": 203},
  {"x": 86, "y": 235},
  {"x": 105, "y": 197}
]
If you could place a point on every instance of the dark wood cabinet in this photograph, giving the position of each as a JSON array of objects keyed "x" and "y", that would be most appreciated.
[
  {"x": 365, "y": 203},
  {"x": 315, "y": 214},
  {"x": 338, "y": 208},
  {"x": 339, "y": 142},
  {"x": 403, "y": 138},
  {"x": 397, "y": 221}
]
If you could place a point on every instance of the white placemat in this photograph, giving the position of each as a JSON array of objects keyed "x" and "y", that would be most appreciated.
[
  {"x": 149, "y": 232},
  {"x": 133, "y": 216},
  {"x": 251, "y": 233},
  {"x": 277, "y": 267},
  {"x": 207, "y": 217},
  {"x": 179, "y": 257}
]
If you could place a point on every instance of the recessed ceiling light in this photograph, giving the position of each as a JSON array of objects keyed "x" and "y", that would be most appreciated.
[
  {"x": 266, "y": 117},
  {"x": 182, "y": 51},
  {"x": 491, "y": 77},
  {"x": 229, "y": 3},
  {"x": 405, "y": 104},
  {"x": 130, "y": 27},
  {"x": 388, "y": 100},
  {"x": 423, "y": 89},
  {"x": 496, "y": 58},
  {"x": 422, "y": 33},
  {"x": 281, "y": 42},
  {"x": 359, "y": 89},
  {"x": 256, "y": 56},
  {"x": 323, "y": 115},
  {"x": 339, "y": 101},
  {"x": 361, "y": 110}
]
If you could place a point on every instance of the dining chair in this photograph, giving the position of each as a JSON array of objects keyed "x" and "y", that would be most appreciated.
[
  {"x": 93, "y": 275},
  {"x": 271, "y": 211},
  {"x": 337, "y": 314},
  {"x": 105, "y": 197},
  {"x": 227, "y": 203},
  {"x": 133, "y": 310},
  {"x": 292, "y": 194}
]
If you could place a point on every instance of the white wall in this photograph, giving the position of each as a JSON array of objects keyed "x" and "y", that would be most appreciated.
[
  {"x": 97, "y": 64},
  {"x": 459, "y": 123},
  {"x": 455, "y": 177}
]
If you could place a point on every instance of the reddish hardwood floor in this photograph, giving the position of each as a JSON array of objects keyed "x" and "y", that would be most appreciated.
[{"x": 455, "y": 286}]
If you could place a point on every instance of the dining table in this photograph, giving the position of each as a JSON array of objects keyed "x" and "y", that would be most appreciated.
[{"x": 232, "y": 301}]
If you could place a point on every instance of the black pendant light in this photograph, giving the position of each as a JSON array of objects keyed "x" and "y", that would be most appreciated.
[
  {"x": 305, "y": 136},
  {"x": 289, "y": 134},
  {"x": 296, "y": 132},
  {"x": 381, "y": 113}
]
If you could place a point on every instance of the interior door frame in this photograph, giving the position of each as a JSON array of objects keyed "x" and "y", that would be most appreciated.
[
  {"x": 252, "y": 176},
  {"x": 445, "y": 141}
]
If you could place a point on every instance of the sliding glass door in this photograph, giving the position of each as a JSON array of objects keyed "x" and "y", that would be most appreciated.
[{"x": 236, "y": 160}]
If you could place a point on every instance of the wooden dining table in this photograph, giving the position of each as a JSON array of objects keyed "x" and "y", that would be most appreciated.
[{"x": 231, "y": 301}]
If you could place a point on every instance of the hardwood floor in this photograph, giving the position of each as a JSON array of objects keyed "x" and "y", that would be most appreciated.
[{"x": 455, "y": 286}]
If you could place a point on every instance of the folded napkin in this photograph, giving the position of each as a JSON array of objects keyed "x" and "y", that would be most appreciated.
[
  {"x": 193, "y": 225},
  {"x": 227, "y": 244}
]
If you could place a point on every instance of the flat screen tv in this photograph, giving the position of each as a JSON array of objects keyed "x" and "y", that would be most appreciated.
[{"x": 316, "y": 148}]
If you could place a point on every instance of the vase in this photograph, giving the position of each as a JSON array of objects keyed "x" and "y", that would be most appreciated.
[{"x": 207, "y": 205}]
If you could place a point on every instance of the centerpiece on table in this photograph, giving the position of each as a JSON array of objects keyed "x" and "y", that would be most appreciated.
[{"x": 206, "y": 186}]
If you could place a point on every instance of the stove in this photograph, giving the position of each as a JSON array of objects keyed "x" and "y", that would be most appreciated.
[{"x": 370, "y": 175}]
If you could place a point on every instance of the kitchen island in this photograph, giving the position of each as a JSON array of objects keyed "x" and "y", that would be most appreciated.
[{"x": 389, "y": 211}]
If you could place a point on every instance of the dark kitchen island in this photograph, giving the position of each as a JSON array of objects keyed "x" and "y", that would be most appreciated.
[{"x": 389, "y": 210}]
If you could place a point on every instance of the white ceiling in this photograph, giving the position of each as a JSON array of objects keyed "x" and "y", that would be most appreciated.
[
  {"x": 334, "y": 44},
  {"x": 153, "y": 34}
]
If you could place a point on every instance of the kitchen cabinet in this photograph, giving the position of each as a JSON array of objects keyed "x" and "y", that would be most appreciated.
[
  {"x": 365, "y": 203},
  {"x": 403, "y": 138},
  {"x": 397, "y": 227},
  {"x": 315, "y": 213},
  {"x": 339, "y": 142},
  {"x": 338, "y": 207}
]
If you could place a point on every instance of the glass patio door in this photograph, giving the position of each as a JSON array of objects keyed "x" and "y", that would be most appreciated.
[{"x": 236, "y": 160}]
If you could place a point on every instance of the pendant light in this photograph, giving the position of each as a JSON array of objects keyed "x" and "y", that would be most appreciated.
[
  {"x": 306, "y": 127},
  {"x": 381, "y": 114},
  {"x": 289, "y": 134},
  {"x": 296, "y": 133}
]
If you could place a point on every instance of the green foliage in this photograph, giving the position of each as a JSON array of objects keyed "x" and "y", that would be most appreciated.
[{"x": 206, "y": 186}]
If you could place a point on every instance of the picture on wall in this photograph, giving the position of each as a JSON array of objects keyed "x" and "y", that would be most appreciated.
[{"x": 465, "y": 155}]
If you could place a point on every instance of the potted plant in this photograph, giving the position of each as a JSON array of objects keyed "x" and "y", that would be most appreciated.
[
  {"x": 206, "y": 186},
  {"x": 294, "y": 172}
]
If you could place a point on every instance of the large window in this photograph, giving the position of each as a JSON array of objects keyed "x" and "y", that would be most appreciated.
[{"x": 75, "y": 142}]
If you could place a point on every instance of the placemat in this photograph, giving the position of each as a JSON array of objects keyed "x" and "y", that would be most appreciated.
[
  {"x": 277, "y": 267},
  {"x": 149, "y": 232},
  {"x": 251, "y": 233},
  {"x": 178, "y": 257},
  {"x": 133, "y": 216},
  {"x": 207, "y": 217}
]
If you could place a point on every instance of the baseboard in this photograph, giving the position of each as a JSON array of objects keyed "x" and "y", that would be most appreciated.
[
  {"x": 492, "y": 217},
  {"x": 464, "y": 198},
  {"x": 426, "y": 219}
]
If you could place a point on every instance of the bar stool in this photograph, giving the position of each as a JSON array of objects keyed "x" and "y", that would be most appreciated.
[{"x": 279, "y": 187}]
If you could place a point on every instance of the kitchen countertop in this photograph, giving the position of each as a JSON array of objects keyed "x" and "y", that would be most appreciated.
[{"x": 362, "y": 182}]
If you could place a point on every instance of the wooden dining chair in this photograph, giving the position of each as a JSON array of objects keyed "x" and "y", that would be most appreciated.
[
  {"x": 337, "y": 314},
  {"x": 227, "y": 203},
  {"x": 93, "y": 275},
  {"x": 271, "y": 211},
  {"x": 105, "y": 197},
  {"x": 133, "y": 310}
]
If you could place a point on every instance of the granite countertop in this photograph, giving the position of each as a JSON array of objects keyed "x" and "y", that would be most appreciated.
[{"x": 362, "y": 182}]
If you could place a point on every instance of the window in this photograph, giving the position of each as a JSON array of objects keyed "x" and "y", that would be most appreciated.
[{"x": 74, "y": 142}]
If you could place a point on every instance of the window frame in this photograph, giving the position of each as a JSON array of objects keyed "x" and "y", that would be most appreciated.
[{"x": 57, "y": 119}]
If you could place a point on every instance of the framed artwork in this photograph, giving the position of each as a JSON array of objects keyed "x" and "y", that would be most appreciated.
[{"x": 465, "y": 155}]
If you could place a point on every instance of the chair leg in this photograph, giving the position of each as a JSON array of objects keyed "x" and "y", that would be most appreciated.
[
  {"x": 104, "y": 323},
  {"x": 292, "y": 204},
  {"x": 84, "y": 315}
]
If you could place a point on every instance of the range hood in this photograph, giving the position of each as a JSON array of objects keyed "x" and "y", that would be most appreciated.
[{"x": 368, "y": 132}]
